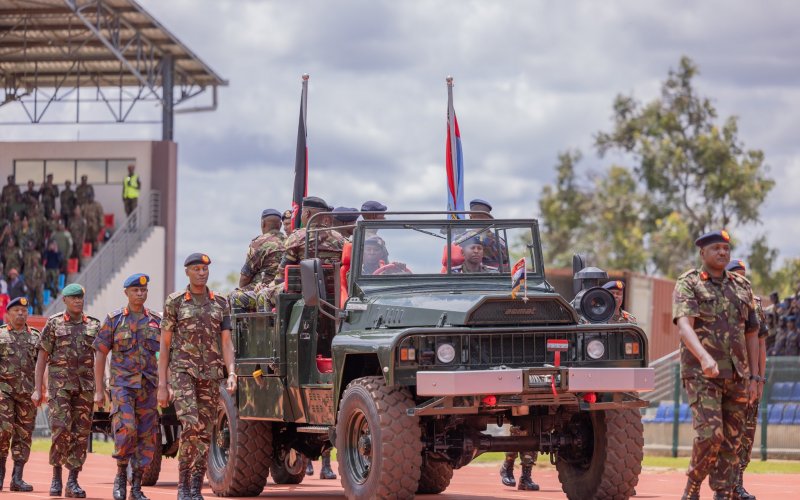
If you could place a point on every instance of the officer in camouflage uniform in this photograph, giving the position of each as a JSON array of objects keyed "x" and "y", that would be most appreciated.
[
  {"x": 263, "y": 256},
  {"x": 10, "y": 196},
  {"x": 195, "y": 339},
  {"x": 83, "y": 192},
  {"x": 344, "y": 219},
  {"x": 759, "y": 371},
  {"x": 49, "y": 193},
  {"x": 325, "y": 244},
  {"x": 93, "y": 213},
  {"x": 66, "y": 349},
  {"x": 617, "y": 289},
  {"x": 77, "y": 227},
  {"x": 18, "y": 347},
  {"x": 716, "y": 317},
  {"x": 132, "y": 336},
  {"x": 68, "y": 203}
]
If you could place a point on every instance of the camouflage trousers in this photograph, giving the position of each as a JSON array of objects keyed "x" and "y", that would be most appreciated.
[
  {"x": 17, "y": 420},
  {"x": 746, "y": 444},
  {"x": 525, "y": 457},
  {"x": 71, "y": 425},
  {"x": 718, "y": 416},
  {"x": 134, "y": 419},
  {"x": 196, "y": 403}
]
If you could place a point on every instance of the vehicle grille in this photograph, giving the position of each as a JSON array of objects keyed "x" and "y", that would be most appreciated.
[{"x": 544, "y": 311}]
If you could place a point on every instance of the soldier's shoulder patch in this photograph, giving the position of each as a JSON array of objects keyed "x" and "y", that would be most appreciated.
[
  {"x": 56, "y": 316},
  {"x": 219, "y": 297},
  {"x": 689, "y": 273},
  {"x": 175, "y": 295},
  {"x": 35, "y": 331},
  {"x": 4, "y": 329},
  {"x": 155, "y": 314},
  {"x": 738, "y": 278},
  {"x": 92, "y": 319},
  {"x": 116, "y": 312}
]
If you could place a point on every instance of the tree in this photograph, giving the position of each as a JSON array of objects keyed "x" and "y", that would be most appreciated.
[{"x": 762, "y": 260}]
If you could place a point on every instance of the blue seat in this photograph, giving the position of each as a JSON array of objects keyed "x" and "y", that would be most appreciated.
[
  {"x": 685, "y": 414},
  {"x": 796, "y": 418},
  {"x": 659, "y": 417},
  {"x": 61, "y": 281},
  {"x": 782, "y": 391},
  {"x": 669, "y": 415},
  {"x": 775, "y": 413},
  {"x": 796, "y": 392},
  {"x": 789, "y": 413}
]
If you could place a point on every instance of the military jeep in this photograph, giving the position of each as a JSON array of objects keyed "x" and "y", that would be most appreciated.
[{"x": 401, "y": 363}]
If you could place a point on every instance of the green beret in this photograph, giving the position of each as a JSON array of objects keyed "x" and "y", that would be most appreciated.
[{"x": 73, "y": 290}]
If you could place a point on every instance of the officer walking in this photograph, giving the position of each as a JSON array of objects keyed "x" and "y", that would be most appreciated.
[
  {"x": 131, "y": 335},
  {"x": 263, "y": 256},
  {"x": 130, "y": 190},
  {"x": 196, "y": 347},
  {"x": 19, "y": 344},
  {"x": 66, "y": 350},
  {"x": 716, "y": 318}
]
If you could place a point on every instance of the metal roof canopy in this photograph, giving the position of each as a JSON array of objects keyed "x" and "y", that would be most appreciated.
[{"x": 96, "y": 51}]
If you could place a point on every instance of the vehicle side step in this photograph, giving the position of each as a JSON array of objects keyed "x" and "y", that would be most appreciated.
[{"x": 315, "y": 429}]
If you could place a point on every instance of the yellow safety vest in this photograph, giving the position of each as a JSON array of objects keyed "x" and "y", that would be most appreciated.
[{"x": 130, "y": 187}]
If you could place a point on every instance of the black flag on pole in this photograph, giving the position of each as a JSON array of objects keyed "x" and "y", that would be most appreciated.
[{"x": 301, "y": 160}]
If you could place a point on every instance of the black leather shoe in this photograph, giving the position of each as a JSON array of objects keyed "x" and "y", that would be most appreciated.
[
  {"x": 73, "y": 489},
  {"x": 17, "y": 484}
]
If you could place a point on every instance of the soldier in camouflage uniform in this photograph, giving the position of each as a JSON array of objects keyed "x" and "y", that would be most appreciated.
[
  {"x": 49, "y": 192},
  {"x": 68, "y": 203},
  {"x": 83, "y": 192},
  {"x": 132, "y": 336},
  {"x": 617, "y": 289},
  {"x": 18, "y": 347},
  {"x": 12, "y": 255},
  {"x": 66, "y": 349},
  {"x": 325, "y": 244},
  {"x": 93, "y": 213},
  {"x": 34, "y": 278},
  {"x": 527, "y": 460},
  {"x": 77, "y": 227},
  {"x": 196, "y": 348},
  {"x": 10, "y": 196},
  {"x": 263, "y": 256},
  {"x": 715, "y": 313},
  {"x": 751, "y": 418}
]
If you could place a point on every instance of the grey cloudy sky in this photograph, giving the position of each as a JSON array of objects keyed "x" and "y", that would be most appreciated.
[{"x": 532, "y": 79}]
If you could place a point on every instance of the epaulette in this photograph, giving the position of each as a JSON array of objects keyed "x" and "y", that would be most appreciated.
[
  {"x": 35, "y": 330},
  {"x": 155, "y": 314},
  {"x": 689, "y": 273},
  {"x": 116, "y": 312},
  {"x": 175, "y": 295},
  {"x": 56, "y": 315},
  {"x": 92, "y": 318},
  {"x": 739, "y": 278},
  {"x": 4, "y": 327}
]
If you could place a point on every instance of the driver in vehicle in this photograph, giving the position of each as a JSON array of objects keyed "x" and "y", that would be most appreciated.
[
  {"x": 472, "y": 247},
  {"x": 375, "y": 255}
]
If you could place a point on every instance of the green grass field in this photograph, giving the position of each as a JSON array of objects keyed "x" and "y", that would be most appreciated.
[{"x": 101, "y": 447}]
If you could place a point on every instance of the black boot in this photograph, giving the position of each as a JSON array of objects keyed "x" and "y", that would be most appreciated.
[
  {"x": 183, "y": 483},
  {"x": 197, "y": 485},
  {"x": 325, "y": 472},
  {"x": 525, "y": 481},
  {"x": 17, "y": 484},
  {"x": 310, "y": 468},
  {"x": 507, "y": 472},
  {"x": 739, "y": 493},
  {"x": 136, "y": 486},
  {"x": 692, "y": 491},
  {"x": 55, "y": 485},
  {"x": 120, "y": 491},
  {"x": 2, "y": 471},
  {"x": 73, "y": 489}
]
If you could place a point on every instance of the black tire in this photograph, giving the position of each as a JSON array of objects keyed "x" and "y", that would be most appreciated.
[
  {"x": 373, "y": 427},
  {"x": 151, "y": 473},
  {"x": 435, "y": 476},
  {"x": 289, "y": 469},
  {"x": 608, "y": 464},
  {"x": 240, "y": 453}
]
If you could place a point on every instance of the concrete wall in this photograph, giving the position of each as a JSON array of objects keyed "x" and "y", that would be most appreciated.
[{"x": 149, "y": 259}]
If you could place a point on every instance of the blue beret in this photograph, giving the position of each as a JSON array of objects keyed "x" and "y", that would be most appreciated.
[
  {"x": 196, "y": 258},
  {"x": 315, "y": 202},
  {"x": 19, "y": 301},
  {"x": 375, "y": 240},
  {"x": 472, "y": 240},
  {"x": 270, "y": 212},
  {"x": 373, "y": 206},
  {"x": 345, "y": 217},
  {"x": 614, "y": 285},
  {"x": 720, "y": 236},
  {"x": 735, "y": 265},
  {"x": 790, "y": 318},
  {"x": 73, "y": 290},
  {"x": 478, "y": 201},
  {"x": 138, "y": 279}
]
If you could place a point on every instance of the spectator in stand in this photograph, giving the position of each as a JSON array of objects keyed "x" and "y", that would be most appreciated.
[
  {"x": 130, "y": 190},
  {"x": 9, "y": 196},
  {"x": 26, "y": 235},
  {"x": 93, "y": 213},
  {"x": 12, "y": 255},
  {"x": 788, "y": 344},
  {"x": 3, "y": 282},
  {"x": 48, "y": 192},
  {"x": 38, "y": 225},
  {"x": 16, "y": 284},
  {"x": 51, "y": 225},
  {"x": 77, "y": 226},
  {"x": 68, "y": 202},
  {"x": 83, "y": 191},
  {"x": 53, "y": 262},
  {"x": 31, "y": 196},
  {"x": 34, "y": 278},
  {"x": 63, "y": 238}
]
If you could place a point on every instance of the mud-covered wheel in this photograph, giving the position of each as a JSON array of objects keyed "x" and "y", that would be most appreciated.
[
  {"x": 605, "y": 459},
  {"x": 435, "y": 475},
  {"x": 379, "y": 445},
  {"x": 289, "y": 468},
  {"x": 240, "y": 454},
  {"x": 153, "y": 470}
]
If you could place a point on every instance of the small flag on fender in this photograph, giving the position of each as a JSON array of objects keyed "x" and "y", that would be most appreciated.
[{"x": 518, "y": 279}]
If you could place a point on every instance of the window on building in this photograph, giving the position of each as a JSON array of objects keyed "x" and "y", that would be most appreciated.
[
  {"x": 94, "y": 170},
  {"x": 108, "y": 171},
  {"x": 62, "y": 170},
  {"x": 28, "y": 169}
]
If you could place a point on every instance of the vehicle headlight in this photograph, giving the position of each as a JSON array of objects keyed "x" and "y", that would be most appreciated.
[
  {"x": 445, "y": 353},
  {"x": 595, "y": 349}
]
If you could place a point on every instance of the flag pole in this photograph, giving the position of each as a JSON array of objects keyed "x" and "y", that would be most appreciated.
[
  {"x": 453, "y": 180},
  {"x": 300, "y": 187}
]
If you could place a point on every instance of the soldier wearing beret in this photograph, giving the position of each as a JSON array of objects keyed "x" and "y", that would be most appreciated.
[
  {"x": 478, "y": 205},
  {"x": 617, "y": 287},
  {"x": 716, "y": 317},
  {"x": 66, "y": 349},
  {"x": 746, "y": 444},
  {"x": 472, "y": 247},
  {"x": 263, "y": 256},
  {"x": 196, "y": 349},
  {"x": 131, "y": 335},
  {"x": 374, "y": 211},
  {"x": 323, "y": 243},
  {"x": 344, "y": 219},
  {"x": 286, "y": 218},
  {"x": 19, "y": 345}
]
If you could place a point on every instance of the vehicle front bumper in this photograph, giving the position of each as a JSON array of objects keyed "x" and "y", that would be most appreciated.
[{"x": 520, "y": 381}]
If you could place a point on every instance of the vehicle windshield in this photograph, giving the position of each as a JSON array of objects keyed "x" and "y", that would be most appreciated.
[{"x": 478, "y": 248}]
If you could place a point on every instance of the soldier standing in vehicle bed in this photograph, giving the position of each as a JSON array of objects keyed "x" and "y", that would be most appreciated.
[
  {"x": 66, "y": 349},
  {"x": 19, "y": 345},
  {"x": 617, "y": 288},
  {"x": 195, "y": 339},
  {"x": 131, "y": 335},
  {"x": 263, "y": 256},
  {"x": 715, "y": 313}
]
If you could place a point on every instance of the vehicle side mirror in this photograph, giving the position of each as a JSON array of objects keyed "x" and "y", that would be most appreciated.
[{"x": 312, "y": 281}]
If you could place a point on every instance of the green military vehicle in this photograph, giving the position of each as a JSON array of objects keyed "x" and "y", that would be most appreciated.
[{"x": 401, "y": 356}]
